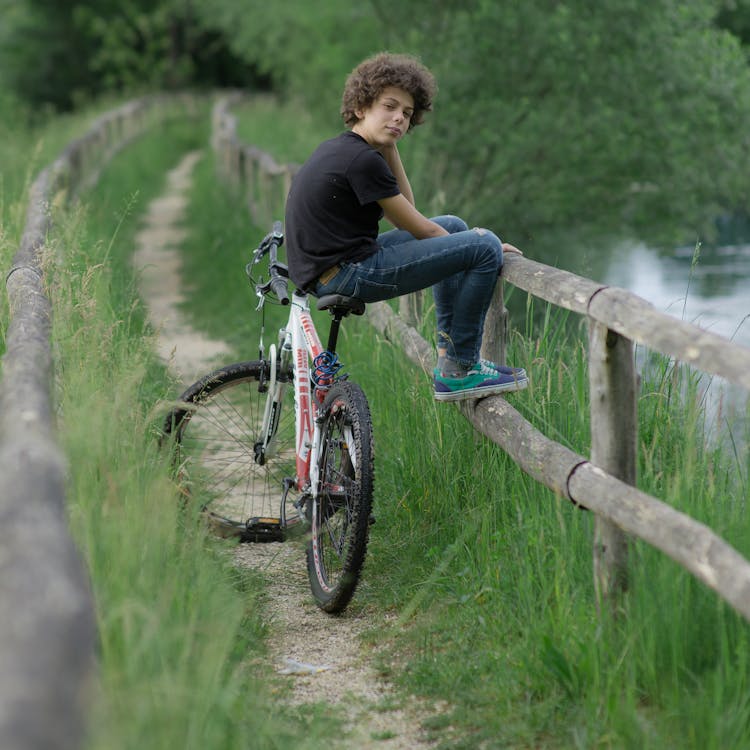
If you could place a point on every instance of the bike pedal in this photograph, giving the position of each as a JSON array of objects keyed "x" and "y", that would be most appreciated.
[{"x": 262, "y": 529}]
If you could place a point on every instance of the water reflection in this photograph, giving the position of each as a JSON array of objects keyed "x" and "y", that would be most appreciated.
[
  {"x": 710, "y": 288},
  {"x": 712, "y": 291}
]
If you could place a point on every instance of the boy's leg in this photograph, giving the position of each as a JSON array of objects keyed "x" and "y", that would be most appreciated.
[
  {"x": 402, "y": 267},
  {"x": 444, "y": 292}
]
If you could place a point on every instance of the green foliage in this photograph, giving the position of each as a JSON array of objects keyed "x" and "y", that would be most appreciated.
[
  {"x": 280, "y": 126},
  {"x": 43, "y": 54},
  {"x": 734, "y": 15},
  {"x": 306, "y": 48},
  {"x": 625, "y": 117},
  {"x": 62, "y": 53},
  {"x": 135, "y": 46},
  {"x": 181, "y": 660},
  {"x": 158, "y": 45}
]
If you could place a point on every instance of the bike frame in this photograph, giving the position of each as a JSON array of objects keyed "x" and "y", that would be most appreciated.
[{"x": 299, "y": 345}]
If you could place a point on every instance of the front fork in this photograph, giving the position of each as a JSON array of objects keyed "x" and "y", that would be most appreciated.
[{"x": 266, "y": 446}]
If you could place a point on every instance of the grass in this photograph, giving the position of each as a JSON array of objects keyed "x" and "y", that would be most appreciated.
[
  {"x": 182, "y": 660},
  {"x": 505, "y": 626},
  {"x": 26, "y": 147}
]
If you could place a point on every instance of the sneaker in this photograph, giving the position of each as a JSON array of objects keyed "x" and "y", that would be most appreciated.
[
  {"x": 488, "y": 368},
  {"x": 477, "y": 383}
]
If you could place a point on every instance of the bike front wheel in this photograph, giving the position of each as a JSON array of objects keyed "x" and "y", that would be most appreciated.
[
  {"x": 340, "y": 514},
  {"x": 215, "y": 435}
]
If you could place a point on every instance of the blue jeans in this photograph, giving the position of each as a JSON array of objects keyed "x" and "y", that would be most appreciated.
[{"x": 461, "y": 267}]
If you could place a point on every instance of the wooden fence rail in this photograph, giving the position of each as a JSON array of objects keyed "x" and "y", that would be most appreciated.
[
  {"x": 47, "y": 628},
  {"x": 604, "y": 482}
]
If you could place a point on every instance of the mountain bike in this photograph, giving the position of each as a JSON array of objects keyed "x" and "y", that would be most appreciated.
[{"x": 283, "y": 445}]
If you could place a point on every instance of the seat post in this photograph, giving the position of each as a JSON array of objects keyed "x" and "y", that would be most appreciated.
[
  {"x": 333, "y": 333},
  {"x": 339, "y": 306}
]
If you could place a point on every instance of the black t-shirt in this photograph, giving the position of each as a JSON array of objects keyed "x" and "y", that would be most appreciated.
[{"x": 332, "y": 212}]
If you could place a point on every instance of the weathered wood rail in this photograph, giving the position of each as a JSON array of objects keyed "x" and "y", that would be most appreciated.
[
  {"x": 47, "y": 625},
  {"x": 603, "y": 483},
  {"x": 263, "y": 181}
]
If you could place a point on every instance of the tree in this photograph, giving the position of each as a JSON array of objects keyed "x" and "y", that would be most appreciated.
[
  {"x": 306, "y": 49},
  {"x": 620, "y": 113},
  {"x": 56, "y": 52},
  {"x": 43, "y": 54},
  {"x": 626, "y": 115}
]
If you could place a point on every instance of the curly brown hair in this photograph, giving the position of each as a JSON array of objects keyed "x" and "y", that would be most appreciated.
[{"x": 367, "y": 81}]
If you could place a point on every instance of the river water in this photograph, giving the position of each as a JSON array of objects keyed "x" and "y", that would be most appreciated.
[
  {"x": 709, "y": 287},
  {"x": 712, "y": 291}
]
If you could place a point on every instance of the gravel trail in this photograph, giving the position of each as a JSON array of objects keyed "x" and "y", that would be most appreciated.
[{"x": 321, "y": 658}]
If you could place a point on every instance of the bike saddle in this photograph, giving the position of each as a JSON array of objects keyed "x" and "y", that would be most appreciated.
[{"x": 341, "y": 304}]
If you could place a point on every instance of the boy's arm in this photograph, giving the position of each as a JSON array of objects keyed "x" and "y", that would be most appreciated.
[
  {"x": 402, "y": 214},
  {"x": 393, "y": 159},
  {"x": 400, "y": 210}
]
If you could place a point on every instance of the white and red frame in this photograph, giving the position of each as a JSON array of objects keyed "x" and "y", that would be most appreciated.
[{"x": 300, "y": 344}]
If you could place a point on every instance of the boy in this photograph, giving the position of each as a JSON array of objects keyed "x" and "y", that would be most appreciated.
[{"x": 350, "y": 182}]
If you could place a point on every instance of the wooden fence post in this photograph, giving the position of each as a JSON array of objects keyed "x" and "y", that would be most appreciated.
[
  {"x": 495, "y": 327},
  {"x": 614, "y": 435},
  {"x": 411, "y": 308}
]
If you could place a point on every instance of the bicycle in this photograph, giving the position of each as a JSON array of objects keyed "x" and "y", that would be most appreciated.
[{"x": 263, "y": 471}]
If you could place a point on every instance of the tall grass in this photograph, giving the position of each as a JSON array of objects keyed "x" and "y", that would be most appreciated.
[
  {"x": 27, "y": 145},
  {"x": 490, "y": 574},
  {"x": 29, "y": 142},
  {"x": 182, "y": 660},
  {"x": 508, "y": 631}
]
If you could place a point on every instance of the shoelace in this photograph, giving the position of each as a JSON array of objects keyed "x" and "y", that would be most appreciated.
[{"x": 484, "y": 369}]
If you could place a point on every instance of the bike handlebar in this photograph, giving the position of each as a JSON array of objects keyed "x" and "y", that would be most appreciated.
[
  {"x": 277, "y": 271},
  {"x": 280, "y": 289}
]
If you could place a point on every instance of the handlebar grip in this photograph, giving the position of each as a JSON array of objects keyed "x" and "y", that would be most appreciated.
[
  {"x": 280, "y": 289},
  {"x": 277, "y": 231}
]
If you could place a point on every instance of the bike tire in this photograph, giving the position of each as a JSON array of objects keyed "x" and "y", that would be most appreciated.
[
  {"x": 213, "y": 438},
  {"x": 339, "y": 517}
]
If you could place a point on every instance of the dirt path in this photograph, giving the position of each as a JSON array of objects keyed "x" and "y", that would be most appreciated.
[{"x": 320, "y": 657}]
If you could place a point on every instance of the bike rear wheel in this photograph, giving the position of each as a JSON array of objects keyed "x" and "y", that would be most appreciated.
[
  {"x": 215, "y": 438},
  {"x": 340, "y": 514}
]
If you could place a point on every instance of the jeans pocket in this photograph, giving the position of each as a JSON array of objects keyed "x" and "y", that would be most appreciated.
[{"x": 371, "y": 291}]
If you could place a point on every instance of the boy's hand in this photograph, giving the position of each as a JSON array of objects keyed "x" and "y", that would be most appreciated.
[
  {"x": 507, "y": 247},
  {"x": 387, "y": 148}
]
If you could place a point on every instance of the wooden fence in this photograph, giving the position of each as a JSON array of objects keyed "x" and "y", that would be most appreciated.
[
  {"x": 47, "y": 626},
  {"x": 263, "y": 181},
  {"x": 604, "y": 482}
]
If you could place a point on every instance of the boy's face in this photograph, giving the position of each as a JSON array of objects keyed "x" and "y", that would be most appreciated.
[{"x": 387, "y": 119}]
